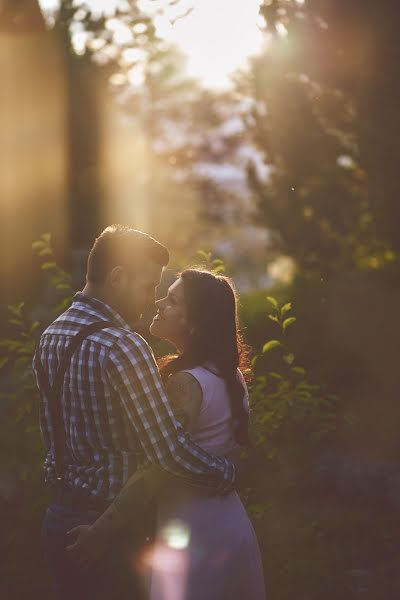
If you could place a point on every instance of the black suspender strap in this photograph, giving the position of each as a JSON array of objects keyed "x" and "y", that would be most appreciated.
[{"x": 53, "y": 394}]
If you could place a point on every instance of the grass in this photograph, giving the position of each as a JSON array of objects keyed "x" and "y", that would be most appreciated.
[{"x": 327, "y": 548}]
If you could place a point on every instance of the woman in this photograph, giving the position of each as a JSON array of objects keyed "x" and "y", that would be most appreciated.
[{"x": 205, "y": 545}]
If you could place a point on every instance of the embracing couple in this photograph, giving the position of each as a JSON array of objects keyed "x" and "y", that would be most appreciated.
[{"x": 127, "y": 438}]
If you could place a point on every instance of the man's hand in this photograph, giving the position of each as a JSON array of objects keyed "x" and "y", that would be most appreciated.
[
  {"x": 87, "y": 545},
  {"x": 238, "y": 456}
]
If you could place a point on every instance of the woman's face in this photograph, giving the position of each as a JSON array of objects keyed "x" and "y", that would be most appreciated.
[{"x": 170, "y": 322}]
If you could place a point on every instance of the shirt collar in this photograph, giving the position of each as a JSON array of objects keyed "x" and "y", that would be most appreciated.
[{"x": 104, "y": 310}]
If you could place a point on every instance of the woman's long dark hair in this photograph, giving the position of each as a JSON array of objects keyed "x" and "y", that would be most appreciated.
[{"x": 211, "y": 308}]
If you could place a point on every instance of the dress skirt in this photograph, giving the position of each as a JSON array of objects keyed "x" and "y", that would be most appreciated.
[{"x": 205, "y": 549}]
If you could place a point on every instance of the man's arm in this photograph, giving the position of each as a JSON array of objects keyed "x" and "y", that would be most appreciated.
[
  {"x": 185, "y": 396},
  {"x": 43, "y": 408},
  {"x": 87, "y": 543},
  {"x": 132, "y": 373}
]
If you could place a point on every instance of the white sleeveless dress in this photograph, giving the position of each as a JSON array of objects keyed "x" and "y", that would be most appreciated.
[{"x": 206, "y": 547}]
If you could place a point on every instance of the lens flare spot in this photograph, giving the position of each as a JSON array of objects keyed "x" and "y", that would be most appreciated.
[{"x": 176, "y": 535}]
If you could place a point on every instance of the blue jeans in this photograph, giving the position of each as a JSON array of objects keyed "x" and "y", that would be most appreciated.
[{"x": 112, "y": 578}]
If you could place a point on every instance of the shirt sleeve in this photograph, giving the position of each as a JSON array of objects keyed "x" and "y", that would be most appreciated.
[
  {"x": 132, "y": 374},
  {"x": 43, "y": 410}
]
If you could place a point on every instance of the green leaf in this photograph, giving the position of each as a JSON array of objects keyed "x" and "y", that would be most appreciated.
[
  {"x": 287, "y": 322},
  {"x": 63, "y": 305},
  {"x": 48, "y": 265},
  {"x": 15, "y": 309},
  {"x": 63, "y": 286},
  {"x": 299, "y": 370},
  {"x": 38, "y": 245},
  {"x": 3, "y": 361},
  {"x": 267, "y": 416},
  {"x": 31, "y": 429},
  {"x": 45, "y": 252},
  {"x": 289, "y": 358},
  {"x": 270, "y": 345},
  {"x": 46, "y": 237},
  {"x": 11, "y": 344},
  {"x": 275, "y": 375},
  {"x": 272, "y": 301},
  {"x": 220, "y": 269},
  {"x": 351, "y": 419},
  {"x": 24, "y": 350},
  {"x": 21, "y": 364},
  {"x": 286, "y": 307},
  {"x": 35, "y": 325},
  {"x": 273, "y": 318},
  {"x": 205, "y": 255},
  {"x": 16, "y": 322}
]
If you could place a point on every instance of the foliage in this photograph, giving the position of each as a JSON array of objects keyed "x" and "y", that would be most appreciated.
[
  {"x": 59, "y": 279},
  {"x": 19, "y": 349},
  {"x": 216, "y": 265},
  {"x": 22, "y": 494},
  {"x": 317, "y": 130},
  {"x": 290, "y": 415},
  {"x": 319, "y": 546},
  {"x": 21, "y": 452}
]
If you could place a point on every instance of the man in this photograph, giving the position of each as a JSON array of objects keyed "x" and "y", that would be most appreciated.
[{"x": 114, "y": 411}]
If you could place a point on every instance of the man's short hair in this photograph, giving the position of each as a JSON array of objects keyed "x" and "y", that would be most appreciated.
[{"x": 122, "y": 245}]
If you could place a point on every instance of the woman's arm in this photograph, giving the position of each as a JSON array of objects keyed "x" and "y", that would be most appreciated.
[{"x": 186, "y": 396}]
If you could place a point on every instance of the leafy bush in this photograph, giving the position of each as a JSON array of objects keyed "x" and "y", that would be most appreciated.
[
  {"x": 22, "y": 400},
  {"x": 23, "y": 496},
  {"x": 290, "y": 414}
]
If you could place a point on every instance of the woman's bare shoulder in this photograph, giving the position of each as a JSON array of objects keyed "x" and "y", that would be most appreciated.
[{"x": 183, "y": 384}]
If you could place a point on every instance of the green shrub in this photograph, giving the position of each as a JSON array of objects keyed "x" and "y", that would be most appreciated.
[{"x": 290, "y": 414}]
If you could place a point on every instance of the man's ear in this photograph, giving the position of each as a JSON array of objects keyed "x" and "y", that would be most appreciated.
[{"x": 116, "y": 276}]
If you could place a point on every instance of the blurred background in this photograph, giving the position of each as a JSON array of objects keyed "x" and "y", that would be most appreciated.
[{"x": 265, "y": 134}]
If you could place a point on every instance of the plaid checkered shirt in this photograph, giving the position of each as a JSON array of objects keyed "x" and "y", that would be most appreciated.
[{"x": 115, "y": 411}]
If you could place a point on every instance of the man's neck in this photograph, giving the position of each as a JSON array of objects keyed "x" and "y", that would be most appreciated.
[{"x": 98, "y": 292}]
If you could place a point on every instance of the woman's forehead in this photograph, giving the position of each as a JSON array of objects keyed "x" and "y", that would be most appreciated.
[{"x": 177, "y": 288}]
